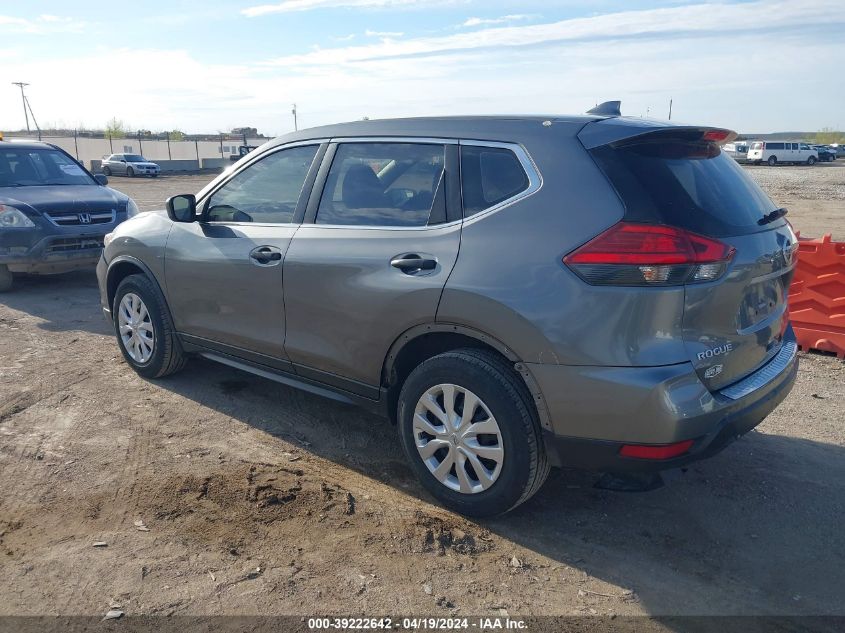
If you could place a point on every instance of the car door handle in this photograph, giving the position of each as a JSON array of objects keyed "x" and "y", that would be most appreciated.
[
  {"x": 412, "y": 263},
  {"x": 266, "y": 256}
]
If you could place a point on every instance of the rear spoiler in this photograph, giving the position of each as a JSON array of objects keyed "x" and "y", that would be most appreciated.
[{"x": 618, "y": 130}]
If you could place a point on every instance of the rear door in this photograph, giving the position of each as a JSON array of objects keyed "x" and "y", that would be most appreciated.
[
  {"x": 372, "y": 258},
  {"x": 733, "y": 325}
]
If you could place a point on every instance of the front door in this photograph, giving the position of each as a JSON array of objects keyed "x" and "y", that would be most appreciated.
[
  {"x": 224, "y": 273},
  {"x": 371, "y": 259}
]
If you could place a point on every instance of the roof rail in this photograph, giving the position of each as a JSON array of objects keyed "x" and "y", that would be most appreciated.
[{"x": 607, "y": 108}]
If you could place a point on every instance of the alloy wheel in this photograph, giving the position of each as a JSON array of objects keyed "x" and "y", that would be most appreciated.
[
  {"x": 458, "y": 438},
  {"x": 136, "y": 328}
]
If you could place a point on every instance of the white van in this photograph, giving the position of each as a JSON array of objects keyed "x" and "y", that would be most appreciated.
[{"x": 774, "y": 152}]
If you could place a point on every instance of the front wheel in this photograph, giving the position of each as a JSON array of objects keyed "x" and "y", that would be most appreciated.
[
  {"x": 130, "y": 172},
  {"x": 772, "y": 161},
  {"x": 470, "y": 432},
  {"x": 6, "y": 278},
  {"x": 811, "y": 160},
  {"x": 145, "y": 333},
  {"x": 106, "y": 171}
]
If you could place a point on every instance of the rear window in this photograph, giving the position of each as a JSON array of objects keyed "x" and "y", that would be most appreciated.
[
  {"x": 690, "y": 185},
  {"x": 489, "y": 175}
]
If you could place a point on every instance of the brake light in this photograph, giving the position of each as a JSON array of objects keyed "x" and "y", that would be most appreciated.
[
  {"x": 632, "y": 254},
  {"x": 656, "y": 451},
  {"x": 716, "y": 136}
]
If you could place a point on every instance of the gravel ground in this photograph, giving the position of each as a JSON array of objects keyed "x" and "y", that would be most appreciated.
[
  {"x": 815, "y": 196},
  {"x": 216, "y": 492}
]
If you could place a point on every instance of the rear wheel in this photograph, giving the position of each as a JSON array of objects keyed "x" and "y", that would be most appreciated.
[
  {"x": 471, "y": 434},
  {"x": 144, "y": 330},
  {"x": 6, "y": 278},
  {"x": 773, "y": 160},
  {"x": 811, "y": 160}
]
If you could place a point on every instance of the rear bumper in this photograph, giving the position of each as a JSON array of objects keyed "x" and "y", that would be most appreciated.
[{"x": 610, "y": 407}]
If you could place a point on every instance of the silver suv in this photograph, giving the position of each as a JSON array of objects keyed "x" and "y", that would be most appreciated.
[{"x": 513, "y": 293}]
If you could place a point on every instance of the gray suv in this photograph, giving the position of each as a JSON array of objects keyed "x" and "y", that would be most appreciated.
[{"x": 513, "y": 293}]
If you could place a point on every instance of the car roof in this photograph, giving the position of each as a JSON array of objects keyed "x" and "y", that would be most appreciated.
[
  {"x": 479, "y": 127},
  {"x": 26, "y": 144}
]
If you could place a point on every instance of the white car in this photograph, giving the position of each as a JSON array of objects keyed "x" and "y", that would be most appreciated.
[{"x": 774, "y": 152}]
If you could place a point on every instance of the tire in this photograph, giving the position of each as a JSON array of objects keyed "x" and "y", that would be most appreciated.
[
  {"x": 773, "y": 160},
  {"x": 166, "y": 356},
  {"x": 523, "y": 465},
  {"x": 106, "y": 171},
  {"x": 7, "y": 279},
  {"x": 153, "y": 175},
  {"x": 811, "y": 160},
  {"x": 130, "y": 173}
]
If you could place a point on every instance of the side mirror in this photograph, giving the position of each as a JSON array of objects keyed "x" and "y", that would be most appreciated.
[
  {"x": 182, "y": 208},
  {"x": 101, "y": 179}
]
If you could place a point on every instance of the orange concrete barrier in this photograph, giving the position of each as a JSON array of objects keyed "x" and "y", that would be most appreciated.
[{"x": 817, "y": 296}]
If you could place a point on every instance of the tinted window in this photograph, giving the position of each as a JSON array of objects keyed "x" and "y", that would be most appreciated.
[
  {"x": 36, "y": 167},
  {"x": 691, "y": 185},
  {"x": 489, "y": 176},
  {"x": 774, "y": 146},
  {"x": 267, "y": 191},
  {"x": 382, "y": 184}
]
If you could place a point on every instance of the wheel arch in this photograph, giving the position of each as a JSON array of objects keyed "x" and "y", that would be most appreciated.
[
  {"x": 425, "y": 341},
  {"x": 123, "y": 266}
]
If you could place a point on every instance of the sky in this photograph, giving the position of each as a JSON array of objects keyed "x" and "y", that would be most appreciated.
[{"x": 203, "y": 67}]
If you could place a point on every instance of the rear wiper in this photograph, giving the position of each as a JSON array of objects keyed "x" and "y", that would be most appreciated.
[{"x": 774, "y": 215}]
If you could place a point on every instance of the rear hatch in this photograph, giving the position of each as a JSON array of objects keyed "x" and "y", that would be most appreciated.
[{"x": 678, "y": 177}]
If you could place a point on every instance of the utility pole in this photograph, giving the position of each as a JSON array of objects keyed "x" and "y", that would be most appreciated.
[
  {"x": 21, "y": 85},
  {"x": 293, "y": 112},
  {"x": 32, "y": 114},
  {"x": 670, "y": 109}
]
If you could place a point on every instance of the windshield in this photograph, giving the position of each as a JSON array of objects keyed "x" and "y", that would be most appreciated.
[
  {"x": 21, "y": 167},
  {"x": 135, "y": 158}
]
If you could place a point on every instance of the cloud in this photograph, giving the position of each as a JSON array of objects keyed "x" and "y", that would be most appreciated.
[
  {"x": 708, "y": 57},
  {"x": 676, "y": 22},
  {"x": 43, "y": 24},
  {"x": 289, "y": 6},
  {"x": 515, "y": 17},
  {"x": 383, "y": 34}
]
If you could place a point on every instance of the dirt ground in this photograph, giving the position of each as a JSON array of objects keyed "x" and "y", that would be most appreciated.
[{"x": 216, "y": 492}]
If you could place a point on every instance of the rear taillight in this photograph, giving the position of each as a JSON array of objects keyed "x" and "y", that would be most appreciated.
[{"x": 631, "y": 254}]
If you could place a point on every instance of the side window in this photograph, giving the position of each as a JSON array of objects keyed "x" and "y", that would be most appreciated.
[
  {"x": 382, "y": 184},
  {"x": 489, "y": 175},
  {"x": 266, "y": 192}
]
